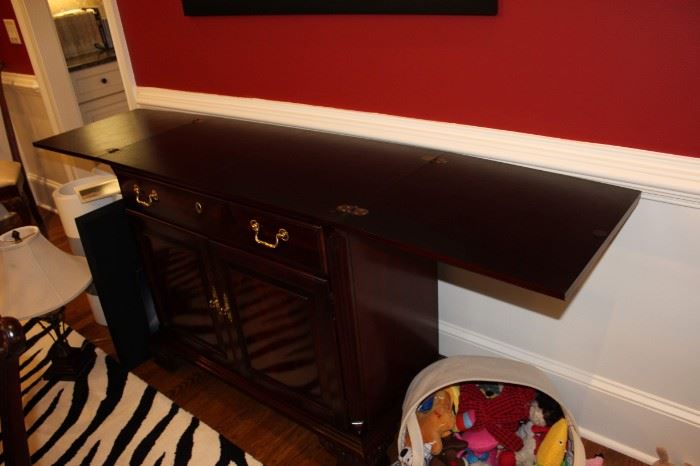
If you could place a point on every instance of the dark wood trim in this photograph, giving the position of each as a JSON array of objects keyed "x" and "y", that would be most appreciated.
[
  {"x": 285, "y": 7},
  {"x": 12, "y": 344}
]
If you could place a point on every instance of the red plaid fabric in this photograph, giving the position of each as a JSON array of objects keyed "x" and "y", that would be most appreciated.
[{"x": 500, "y": 416}]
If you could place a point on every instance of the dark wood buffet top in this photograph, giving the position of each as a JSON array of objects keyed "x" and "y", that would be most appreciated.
[{"x": 538, "y": 230}]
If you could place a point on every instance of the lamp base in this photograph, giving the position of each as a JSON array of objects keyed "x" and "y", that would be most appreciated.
[{"x": 67, "y": 362}]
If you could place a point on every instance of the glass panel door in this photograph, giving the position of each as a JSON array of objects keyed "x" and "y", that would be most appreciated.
[
  {"x": 281, "y": 319},
  {"x": 177, "y": 270}
]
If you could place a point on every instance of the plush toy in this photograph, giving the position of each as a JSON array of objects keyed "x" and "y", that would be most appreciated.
[
  {"x": 452, "y": 446},
  {"x": 532, "y": 435},
  {"x": 501, "y": 414},
  {"x": 544, "y": 411},
  {"x": 553, "y": 448},
  {"x": 436, "y": 417},
  {"x": 533, "y": 431},
  {"x": 406, "y": 456},
  {"x": 507, "y": 458},
  {"x": 663, "y": 458},
  {"x": 481, "y": 445}
]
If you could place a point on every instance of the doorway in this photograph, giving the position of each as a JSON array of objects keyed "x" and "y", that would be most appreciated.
[{"x": 81, "y": 76}]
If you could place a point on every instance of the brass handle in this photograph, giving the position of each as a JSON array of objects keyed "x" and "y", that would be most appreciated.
[
  {"x": 225, "y": 311},
  {"x": 282, "y": 234},
  {"x": 215, "y": 305},
  {"x": 152, "y": 197},
  {"x": 214, "y": 301}
]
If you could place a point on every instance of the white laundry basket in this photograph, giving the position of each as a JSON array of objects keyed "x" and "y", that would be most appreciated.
[{"x": 460, "y": 369}]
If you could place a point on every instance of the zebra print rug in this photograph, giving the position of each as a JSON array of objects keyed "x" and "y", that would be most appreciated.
[{"x": 110, "y": 417}]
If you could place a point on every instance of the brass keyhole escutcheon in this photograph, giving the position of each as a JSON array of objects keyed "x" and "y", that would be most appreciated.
[{"x": 353, "y": 210}]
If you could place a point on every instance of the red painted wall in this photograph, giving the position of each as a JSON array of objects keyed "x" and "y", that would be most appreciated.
[
  {"x": 624, "y": 73},
  {"x": 14, "y": 56}
]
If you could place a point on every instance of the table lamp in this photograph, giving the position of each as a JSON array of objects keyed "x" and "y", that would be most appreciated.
[{"x": 37, "y": 280}]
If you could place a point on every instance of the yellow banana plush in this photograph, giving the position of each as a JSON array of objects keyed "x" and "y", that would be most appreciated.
[{"x": 553, "y": 447}]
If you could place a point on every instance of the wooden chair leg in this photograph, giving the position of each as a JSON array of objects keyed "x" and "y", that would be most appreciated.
[
  {"x": 12, "y": 344},
  {"x": 26, "y": 192}
]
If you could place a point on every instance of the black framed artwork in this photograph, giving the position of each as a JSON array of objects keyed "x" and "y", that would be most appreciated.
[{"x": 286, "y": 7}]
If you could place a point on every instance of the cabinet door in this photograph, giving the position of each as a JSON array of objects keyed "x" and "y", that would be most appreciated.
[
  {"x": 103, "y": 107},
  {"x": 177, "y": 267},
  {"x": 281, "y": 319}
]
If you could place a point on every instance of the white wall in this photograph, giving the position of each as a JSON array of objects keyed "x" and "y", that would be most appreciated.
[
  {"x": 45, "y": 170},
  {"x": 624, "y": 351},
  {"x": 648, "y": 279}
]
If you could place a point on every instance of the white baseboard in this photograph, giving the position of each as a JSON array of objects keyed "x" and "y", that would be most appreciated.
[
  {"x": 574, "y": 375},
  {"x": 666, "y": 421},
  {"x": 617, "y": 446},
  {"x": 664, "y": 177}
]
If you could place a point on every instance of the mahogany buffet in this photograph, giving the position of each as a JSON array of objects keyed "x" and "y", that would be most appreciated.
[{"x": 301, "y": 266}]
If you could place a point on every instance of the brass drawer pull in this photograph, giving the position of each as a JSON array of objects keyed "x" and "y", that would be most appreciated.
[
  {"x": 215, "y": 305},
  {"x": 282, "y": 234},
  {"x": 214, "y": 301},
  {"x": 152, "y": 197},
  {"x": 225, "y": 311}
]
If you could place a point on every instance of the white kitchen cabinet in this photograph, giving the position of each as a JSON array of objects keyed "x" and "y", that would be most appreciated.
[{"x": 100, "y": 91}]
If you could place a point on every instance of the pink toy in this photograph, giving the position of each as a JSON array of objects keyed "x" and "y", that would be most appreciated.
[{"x": 480, "y": 441}]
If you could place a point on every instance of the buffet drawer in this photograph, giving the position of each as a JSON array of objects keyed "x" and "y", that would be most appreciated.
[
  {"x": 195, "y": 211},
  {"x": 97, "y": 81},
  {"x": 265, "y": 234},
  {"x": 278, "y": 238}
]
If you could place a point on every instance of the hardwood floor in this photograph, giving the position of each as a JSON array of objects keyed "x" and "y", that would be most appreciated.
[
  {"x": 270, "y": 437},
  {"x": 262, "y": 432}
]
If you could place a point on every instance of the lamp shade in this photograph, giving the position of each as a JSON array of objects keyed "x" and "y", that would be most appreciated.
[{"x": 35, "y": 276}]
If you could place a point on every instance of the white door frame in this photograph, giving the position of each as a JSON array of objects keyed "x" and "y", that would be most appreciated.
[
  {"x": 37, "y": 26},
  {"x": 122, "y": 51}
]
